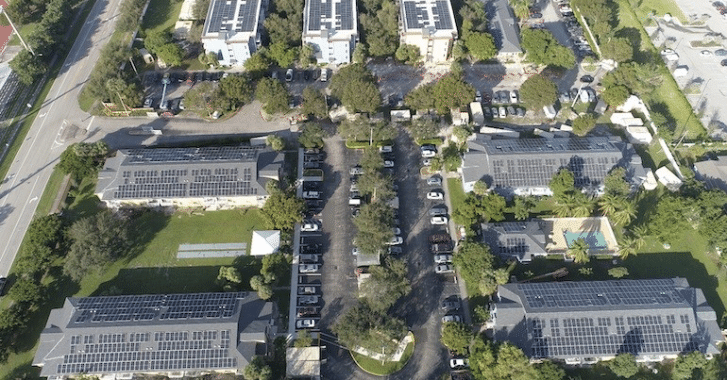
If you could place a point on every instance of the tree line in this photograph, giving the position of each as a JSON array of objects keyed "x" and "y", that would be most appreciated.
[{"x": 45, "y": 40}]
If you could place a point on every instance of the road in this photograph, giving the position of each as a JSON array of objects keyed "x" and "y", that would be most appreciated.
[{"x": 60, "y": 122}]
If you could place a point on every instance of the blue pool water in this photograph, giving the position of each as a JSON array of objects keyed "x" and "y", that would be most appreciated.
[{"x": 595, "y": 239}]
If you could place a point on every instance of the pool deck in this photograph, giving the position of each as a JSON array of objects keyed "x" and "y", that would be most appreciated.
[{"x": 555, "y": 229}]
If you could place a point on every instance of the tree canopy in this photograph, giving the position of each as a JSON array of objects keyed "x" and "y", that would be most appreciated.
[
  {"x": 312, "y": 136},
  {"x": 282, "y": 210},
  {"x": 97, "y": 240},
  {"x": 584, "y": 124},
  {"x": 457, "y": 337},
  {"x": 374, "y": 227},
  {"x": 538, "y": 91},
  {"x": 362, "y": 129},
  {"x": 475, "y": 264},
  {"x": 386, "y": 285},
  {"x": 273, "y": 94},
  {"x": 82, "y": 160},
  {"x": 361, "y": 326},
  {"x": 620, "y": 49},
  {"x": 480, "y": 45},
  {"x": 355, "y": 86},
  {"x": 542, "y": 48},
  {"x": 314, "y": 103}
]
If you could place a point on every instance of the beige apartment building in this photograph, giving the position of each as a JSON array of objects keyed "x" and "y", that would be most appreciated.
[{"x": 429, "y": 25}]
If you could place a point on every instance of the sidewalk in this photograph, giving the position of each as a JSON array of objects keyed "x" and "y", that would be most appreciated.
[{"x": 393, "y": 358}]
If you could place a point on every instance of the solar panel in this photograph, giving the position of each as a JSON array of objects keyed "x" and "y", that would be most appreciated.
[
  {"x": 222, "y": 17},
  {"x": 442, "y": 15}
]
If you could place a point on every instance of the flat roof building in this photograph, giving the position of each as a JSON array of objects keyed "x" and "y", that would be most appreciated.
[
  {"x": 209, "y": 177},
  {"x": 526, "y": 166},
  {"x": 584, "y": 322},
  {"x": 713, "y": 173},
  {"x": 232, "y": 29},
  {"x": 172, "y": 335},
  {"x": 430, "y": 26},
  {"x": 330, "y": 27}
]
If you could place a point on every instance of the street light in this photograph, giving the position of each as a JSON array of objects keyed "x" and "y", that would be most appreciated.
[{"x": 3, "y": 11}]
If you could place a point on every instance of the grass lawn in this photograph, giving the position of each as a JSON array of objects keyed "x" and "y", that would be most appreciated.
[
  {"x": 668, "y": 92},
  {"x": 161, "y": 15},
  {"x": 456, "y": 194},
  {"x": 658, "y": 8},
  {"x": 375, "y": 367}
]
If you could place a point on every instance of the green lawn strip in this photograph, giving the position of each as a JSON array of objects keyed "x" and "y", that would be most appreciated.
[
  {"x": 456, "y": 193},
  {"x": 668, "y": 92},
  {"x": 50, "y": 193},
  {"x": 375, "y": 367},
  {"x": 161, "y": 15},
  {"x": 642, "y": 8}
]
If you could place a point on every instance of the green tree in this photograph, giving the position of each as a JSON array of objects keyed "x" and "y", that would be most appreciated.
[
  {"x": 618, "y": 272},
  {"x": 474, "y": 263},
  {"x": 281, "y": 211},
  {"x": 314, "y": 103},
  {"x": 521, "y": 8},
  {"x": 362, "y": 129},
  {"x": 275, "y": 267},
  {"x": 199, "y": 9},
  {"x": 257, "y": 370},
  {"x": 81, "y": 165},
  {"x": 422, "y": 129},
  {"x": 688, "y": 366},
  {"x": 480, "y": 45},
  {"x": 229, "y": 279},
  {"x": 236, "y": 88},
  {"x": 13, "y": 323},
  {"x": 172, "y": 54},
  {"x": 283, "y": 55},
  {"x": 452, "y": 158},
  {"x": 421, "y": 98},
  {"x": 451, "y": 92},
  {"x": 258, "y": 64},
  {"x": 456, "y": 336},
  {"x": 360, "y": 53},
  {"x": 584, "y": 124},
  {"x": 408, "y": 54},
  {"x": 273, "y": 94},
  {"x": 354, "y": 86},
  {"x": 375, "y": 228},
  {"x": 26, "y": 290},
  {"x": 361, "y": 326},
  {"x": 537, "y": 92},
  {"x": 28, "y": 67},
  {"x": 312, "y": 136},
  {"x": 386, "y": 285},
  {"x": 305, "y": 55},
  {"x": 462, "y": 133},
  {"x": 615, "y": 182},
  {"x": 303, "y": 339},
  {"x": 625, "y": 212},
  {"x": 578, "y": 250},
  {"x": 547, "y": 370},
  {"x": 620, "y": 49},
  {"x": 615, "y": 96},
  {"x": 380, "y": 27},
  {"x": 523, "y": 207},
  {"x": 505, "y": 362},
  {"x": 97, "y": 240},
  {"x": 563, "y": 182},
  {"x": 275, "y": 142},
  {"x": 542, "y": 48},
  {"x": 155, "y": 39},
  {"x": 130, "y": 94},
  {"x": 480, "y": 188},
  {"x": 376, "y": 185}
]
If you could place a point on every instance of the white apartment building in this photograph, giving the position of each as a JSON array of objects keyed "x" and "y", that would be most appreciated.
[
  {"x": 329, "y": 26},
  {"x": 430, "y": 25},
  {"x": 232, "y": 29}
]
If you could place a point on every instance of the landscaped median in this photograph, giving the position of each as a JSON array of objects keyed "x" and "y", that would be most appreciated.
[{"x": 375, "y": 364}]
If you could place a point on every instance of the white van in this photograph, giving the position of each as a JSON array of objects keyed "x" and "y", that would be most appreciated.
[
  {"x": 549, "y": 112},
  {"x": 324, "y": 75},
  {"x": 354, "y": 201}
]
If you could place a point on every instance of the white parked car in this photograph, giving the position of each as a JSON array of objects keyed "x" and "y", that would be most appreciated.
[
  {"x": 443, "y": 259},
  {"x": 305, "y": 323},
  {"x": 397, "y": 231},
  {"x": 308, "y": 300},
  {"x": 289, "y": 75},
  {"x": 388, "y": 164},
  {"x": 309, "y": 268},
  {"x": 435, "y": 195},
  {"x": 459, "y": 363},
  {"x": 311, "y": 195},
  {"x": 396, "y": 240},
  {"x": 309, "y": 227},
  {"x": 438, "y": 220},
  {"x": 386, "y": 149},
  {"x": 434, "y": 181},
  {"x": 451, "y": 318},
  {"x": 428, "y": 153},
  {"x": 444, "y": 268},
  {"x": 513, "y": 97}
]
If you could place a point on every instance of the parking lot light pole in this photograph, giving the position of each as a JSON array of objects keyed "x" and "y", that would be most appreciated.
[{"x": 27, "y": 47}]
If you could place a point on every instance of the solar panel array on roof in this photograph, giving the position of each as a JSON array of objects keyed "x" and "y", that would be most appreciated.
[
  {"x": 574, "y": 295},
  {"x": 416, "y": 14},
  {"x": 160, "y": 307},
  {"x": 222, "y": 17},
  {"x": 192, "y": 154},
  {"x": 442, "y": 16},
  {"x": 344, "y": 12}
]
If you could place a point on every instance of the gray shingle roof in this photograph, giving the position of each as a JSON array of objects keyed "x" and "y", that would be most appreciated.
[
  {"x": 154, "y": 333},
  {"x": 187, "y": 173},
  {"x": 600, "y": 319},
  {"x": 504, "y": 28},
  {"x": 713, "y": 173},
  {"x": 511, "y": 164},
  {"x": 520, "y": 240}
]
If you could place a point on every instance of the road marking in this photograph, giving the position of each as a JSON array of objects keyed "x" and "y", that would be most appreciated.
[
  {"x": 89, "y": 124},
  {"x": 43, "y": 114},
  {"x": 33, "y": 199}
]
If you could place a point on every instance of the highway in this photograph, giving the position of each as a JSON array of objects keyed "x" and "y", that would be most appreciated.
[{"x": 59, "y": 123}]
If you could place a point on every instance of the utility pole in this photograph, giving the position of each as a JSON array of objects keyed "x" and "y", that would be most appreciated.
[{"x": 27, "y": 47}]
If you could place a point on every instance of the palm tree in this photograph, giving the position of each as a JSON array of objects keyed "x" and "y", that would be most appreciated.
[
  {"x": 639, "y": 234},
  {"x": 627, "y": 247},
  {"x": 521, "y": 9},
  {"x": 608, "y": 203},
  {"x": 564, "y": 205},
  {"x": 579, "y": 251},
  {"x": 583, "y": 205},
  {"x": 625, "y": 213}
]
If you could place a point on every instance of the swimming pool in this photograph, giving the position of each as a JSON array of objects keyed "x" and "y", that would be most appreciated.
[{"x": 595, "y": 239}]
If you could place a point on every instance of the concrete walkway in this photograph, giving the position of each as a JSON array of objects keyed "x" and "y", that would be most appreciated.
[{"x": 393, "y": 358}]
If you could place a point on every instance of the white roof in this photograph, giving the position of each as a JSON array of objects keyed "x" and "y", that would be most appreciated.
[
  {"x": 304, "y": 361},
  {"x": 265, "y": 242}
]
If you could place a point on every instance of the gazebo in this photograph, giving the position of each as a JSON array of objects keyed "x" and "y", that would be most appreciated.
[{"x": 265, "y": 242}]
